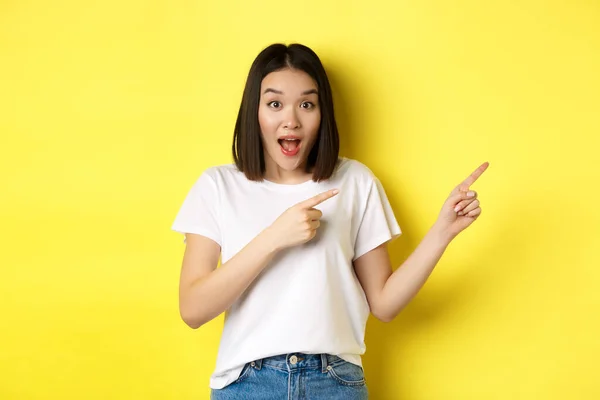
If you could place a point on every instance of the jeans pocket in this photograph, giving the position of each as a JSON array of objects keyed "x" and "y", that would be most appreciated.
[
  {"x": 245, "y": 372},
  {"x": 346, "y": 373}
]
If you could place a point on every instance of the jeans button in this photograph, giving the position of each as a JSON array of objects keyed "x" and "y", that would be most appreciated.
[{"x": 293, "y": 360}]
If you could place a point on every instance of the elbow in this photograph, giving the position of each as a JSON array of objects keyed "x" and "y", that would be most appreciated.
[
  {"x": 383, "y": 315},
  {"x": 193, "y": 324},
  {"x": 193, "y": 321},
  {"x": 384, "y": 318}
]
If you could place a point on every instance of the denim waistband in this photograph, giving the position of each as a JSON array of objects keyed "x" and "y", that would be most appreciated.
[{"x": 293, "y": 361}]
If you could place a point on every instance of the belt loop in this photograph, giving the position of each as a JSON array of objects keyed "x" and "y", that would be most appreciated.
[
  {"x": 324, "y": 363},
  {"x": 258, "y": 363}
]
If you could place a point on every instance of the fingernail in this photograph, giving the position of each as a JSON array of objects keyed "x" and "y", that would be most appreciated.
[
  {"x": 460, "y": 213},
  {"x": 470, "y": 194},
  {"x": 335, "y": 191},
  {"x": 456, "y": 208}
]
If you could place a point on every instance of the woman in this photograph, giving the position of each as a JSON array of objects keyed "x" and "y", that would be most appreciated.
[{"x": 302, "y": 237}]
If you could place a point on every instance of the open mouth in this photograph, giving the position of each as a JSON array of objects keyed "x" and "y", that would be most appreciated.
[{"x": 289, "y": 147}]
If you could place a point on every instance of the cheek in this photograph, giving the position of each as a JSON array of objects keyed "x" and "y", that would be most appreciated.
[
  {"x": 313, "y": 122},
  {"x": 266, "y": 122},
  {"x": 262, "y": 121}
]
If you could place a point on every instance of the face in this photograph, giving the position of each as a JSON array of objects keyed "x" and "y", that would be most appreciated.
[{"x": 289, "y": 118}]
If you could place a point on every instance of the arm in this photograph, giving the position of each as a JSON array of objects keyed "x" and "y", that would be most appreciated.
[
  {"x": 388, "y": 293},
  {"x": 205, "y": 291}
]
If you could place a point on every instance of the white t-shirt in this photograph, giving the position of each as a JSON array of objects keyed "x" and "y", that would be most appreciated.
[{"x": 308, "y": 299}]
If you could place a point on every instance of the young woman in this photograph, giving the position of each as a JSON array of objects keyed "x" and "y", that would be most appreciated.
[{"x": 302, "y": 237}]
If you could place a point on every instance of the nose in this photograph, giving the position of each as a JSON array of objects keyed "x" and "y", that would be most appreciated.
[{"x": 291, "y": 120}]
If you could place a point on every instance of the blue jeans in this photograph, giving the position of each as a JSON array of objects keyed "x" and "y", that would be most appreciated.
[{"x": 297, "y": 376}]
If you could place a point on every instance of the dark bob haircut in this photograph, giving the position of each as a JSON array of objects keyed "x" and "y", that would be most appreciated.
[{"x": 247, "y": 146}]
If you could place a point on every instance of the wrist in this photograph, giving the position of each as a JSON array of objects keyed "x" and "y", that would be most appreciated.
[
  {"x": 442, "y": 236},
  {"x": 269, "y": 241}
]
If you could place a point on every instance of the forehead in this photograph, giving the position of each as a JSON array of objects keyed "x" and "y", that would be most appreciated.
[{"x": 288, "y": 80}]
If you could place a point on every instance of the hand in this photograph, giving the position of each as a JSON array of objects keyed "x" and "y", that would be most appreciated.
[
  {"x": 461, "y": 208},
  {"x": 299, "y": 223}
]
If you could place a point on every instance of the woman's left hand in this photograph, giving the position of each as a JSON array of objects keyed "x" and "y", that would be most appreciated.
[{"x": 461, "y": 208}]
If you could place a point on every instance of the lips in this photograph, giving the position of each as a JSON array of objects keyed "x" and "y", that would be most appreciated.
[{"x": 290, "y": 145}]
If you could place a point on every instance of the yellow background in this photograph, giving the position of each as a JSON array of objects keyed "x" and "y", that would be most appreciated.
[{"x": 111, "y": 109}]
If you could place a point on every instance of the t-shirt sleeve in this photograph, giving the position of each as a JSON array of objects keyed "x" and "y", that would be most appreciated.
[
  {"x": 199, "y": 211},
  {"x": 378, "y": 224}
]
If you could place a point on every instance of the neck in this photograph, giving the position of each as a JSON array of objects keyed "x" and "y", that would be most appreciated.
[{"x": 275, "y": 173}]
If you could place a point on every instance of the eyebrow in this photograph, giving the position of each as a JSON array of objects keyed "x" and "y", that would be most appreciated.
[{"x": 306, "y": 92}]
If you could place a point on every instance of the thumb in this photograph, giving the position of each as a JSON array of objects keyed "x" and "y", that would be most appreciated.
[{"x": 456, "y": 198}]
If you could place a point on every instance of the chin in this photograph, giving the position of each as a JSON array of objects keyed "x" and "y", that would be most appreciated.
[{"x": 288, "y": 163}]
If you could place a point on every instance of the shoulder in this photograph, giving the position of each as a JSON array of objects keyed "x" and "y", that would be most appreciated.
[
  {"x": 356, "y": 170},
  {"x": 219, "y": 177},
  {"x": 223, "y": 173}
]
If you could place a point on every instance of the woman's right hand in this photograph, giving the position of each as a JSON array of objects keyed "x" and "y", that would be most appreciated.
[{"x": 299, "y": 223}]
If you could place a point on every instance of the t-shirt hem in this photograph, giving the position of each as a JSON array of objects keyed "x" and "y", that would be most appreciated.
[
  {"x": 379, "y": 240},
  {"x": 201, "y": 232}
]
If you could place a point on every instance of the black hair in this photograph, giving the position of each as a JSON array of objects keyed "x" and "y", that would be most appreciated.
[{"x": 247, "y": 147}]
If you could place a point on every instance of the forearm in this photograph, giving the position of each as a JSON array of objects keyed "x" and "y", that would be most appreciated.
[
  {"x": 407, "y": 280},
  {"x": 208, "y": 297}
]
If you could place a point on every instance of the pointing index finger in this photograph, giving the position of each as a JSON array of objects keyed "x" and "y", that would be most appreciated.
[
  {"x": 318, "y": 199},
  {"x": 474, "y": 176}
]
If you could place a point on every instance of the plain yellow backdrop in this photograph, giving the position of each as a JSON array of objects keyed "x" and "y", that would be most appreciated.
[{"x": 110, "y": 110}]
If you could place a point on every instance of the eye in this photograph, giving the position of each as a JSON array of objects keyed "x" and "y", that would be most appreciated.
[
  {"x": 307, "y": 105},
  {"x": 274, "y": 104}
]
